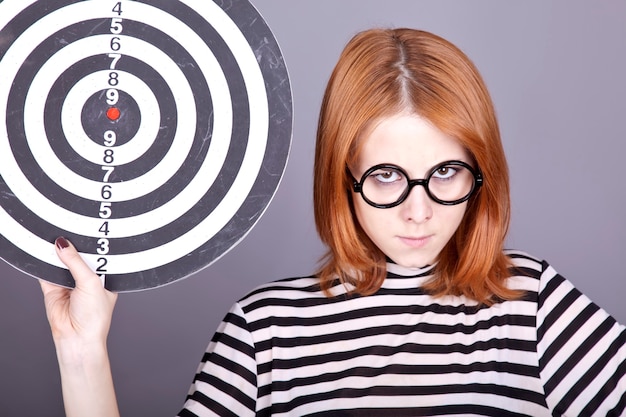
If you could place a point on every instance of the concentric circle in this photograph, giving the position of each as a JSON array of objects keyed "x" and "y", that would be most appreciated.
[{"x": 152, "y": 134}]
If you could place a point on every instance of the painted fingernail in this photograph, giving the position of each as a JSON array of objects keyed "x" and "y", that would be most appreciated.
[{"x": 62, "y": 243}]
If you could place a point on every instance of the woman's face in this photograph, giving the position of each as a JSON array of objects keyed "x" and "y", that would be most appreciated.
[{"x": 413, "y": 233}]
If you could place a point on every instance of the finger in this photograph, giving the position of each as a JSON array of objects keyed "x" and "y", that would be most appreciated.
[
  {"x": 46, "y": 287},
  {"x": 52, "y": 290},
  {"x": 52, "y": 296},
  {"x": 68, "y": 254}
]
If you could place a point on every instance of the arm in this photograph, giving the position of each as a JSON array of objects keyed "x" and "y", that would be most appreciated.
[
  {"x": 226, "y": 383},
  {"x": 80, "y": 319},
  {"x": 582, "y": 351}
]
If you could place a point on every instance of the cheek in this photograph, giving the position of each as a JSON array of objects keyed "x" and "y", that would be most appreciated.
[
  {"x": 370, "y": 218},
  {"x": 454, "y": 216}
]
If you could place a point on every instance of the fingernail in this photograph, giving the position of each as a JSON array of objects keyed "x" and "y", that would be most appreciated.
[{"x": 62, "y": 243}]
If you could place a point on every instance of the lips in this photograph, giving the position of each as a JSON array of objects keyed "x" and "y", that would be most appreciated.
[{"x": 415, "y": 242}]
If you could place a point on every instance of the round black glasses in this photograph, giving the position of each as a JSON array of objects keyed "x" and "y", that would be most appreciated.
[{"x": 388, "y": 185}]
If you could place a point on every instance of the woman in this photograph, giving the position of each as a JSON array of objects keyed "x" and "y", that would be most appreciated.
[{"x": 416, "y": 309}]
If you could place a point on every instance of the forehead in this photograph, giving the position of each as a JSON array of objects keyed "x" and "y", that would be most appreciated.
[{"x": 409, "y": 141}]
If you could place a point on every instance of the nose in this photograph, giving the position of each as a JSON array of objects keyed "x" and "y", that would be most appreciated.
[{"x": 418, "y": 207}]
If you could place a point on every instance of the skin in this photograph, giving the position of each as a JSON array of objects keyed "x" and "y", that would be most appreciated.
[
  {"x": 413, "y": 233},
  {"x": 80, "y": 319}
]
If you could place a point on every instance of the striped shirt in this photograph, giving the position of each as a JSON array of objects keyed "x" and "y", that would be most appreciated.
[{"x": 288, "y": 350}]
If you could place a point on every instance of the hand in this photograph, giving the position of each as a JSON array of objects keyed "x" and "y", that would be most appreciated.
[{"x": 79, "y": 318}]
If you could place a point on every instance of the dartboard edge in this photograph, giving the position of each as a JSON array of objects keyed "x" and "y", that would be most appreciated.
[{"x": 151, "y": 134}]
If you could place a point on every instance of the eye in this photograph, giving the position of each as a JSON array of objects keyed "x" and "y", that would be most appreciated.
[
  {"x": 386, "y": 176},
  {"x": 445, "y": 172}
]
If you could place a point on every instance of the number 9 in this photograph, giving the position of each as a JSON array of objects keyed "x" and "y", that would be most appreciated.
[
  {"x": 109, "y": 138},
  {"x": 112, "y": 96}
]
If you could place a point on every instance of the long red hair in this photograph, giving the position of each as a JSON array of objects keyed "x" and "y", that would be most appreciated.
[{"x": 382, "y": 72}]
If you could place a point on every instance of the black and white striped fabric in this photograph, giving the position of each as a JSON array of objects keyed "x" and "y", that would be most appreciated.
[{"x": 287, "y": 350}]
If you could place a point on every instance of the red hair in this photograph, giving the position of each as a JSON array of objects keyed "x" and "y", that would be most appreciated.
[{"x": 382, "y": 72}]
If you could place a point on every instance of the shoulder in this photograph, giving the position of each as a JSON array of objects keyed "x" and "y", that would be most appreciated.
[
  {"x": 536, "y": 275},
  {"x": 286, "y": 293},
  {"x": 525, "y": 263},
  {"x": 529, "y": 272}
]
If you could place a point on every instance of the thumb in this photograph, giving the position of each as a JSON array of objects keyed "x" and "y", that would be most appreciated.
[{"x": 83, "y": 275}]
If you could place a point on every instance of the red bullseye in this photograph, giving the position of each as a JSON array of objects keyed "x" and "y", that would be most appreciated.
[{"x": 113, "y": 113}]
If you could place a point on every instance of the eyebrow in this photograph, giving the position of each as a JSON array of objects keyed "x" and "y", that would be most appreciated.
[{"x": 428, "y": 170}]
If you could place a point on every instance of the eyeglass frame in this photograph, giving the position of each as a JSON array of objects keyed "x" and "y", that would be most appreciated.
[{"x": 357, "y": 186}]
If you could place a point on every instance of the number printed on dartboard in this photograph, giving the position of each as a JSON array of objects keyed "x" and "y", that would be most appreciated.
[{"x": 110, "y": 138}]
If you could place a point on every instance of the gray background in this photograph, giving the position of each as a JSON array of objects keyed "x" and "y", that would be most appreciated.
[{"x": 556, "y": 73}]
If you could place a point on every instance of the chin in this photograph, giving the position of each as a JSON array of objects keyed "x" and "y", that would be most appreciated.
[{"x": 413, "y": 263}]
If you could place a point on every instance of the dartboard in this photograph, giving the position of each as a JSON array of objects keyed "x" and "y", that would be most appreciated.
[{"x": 152, "y": 134}]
